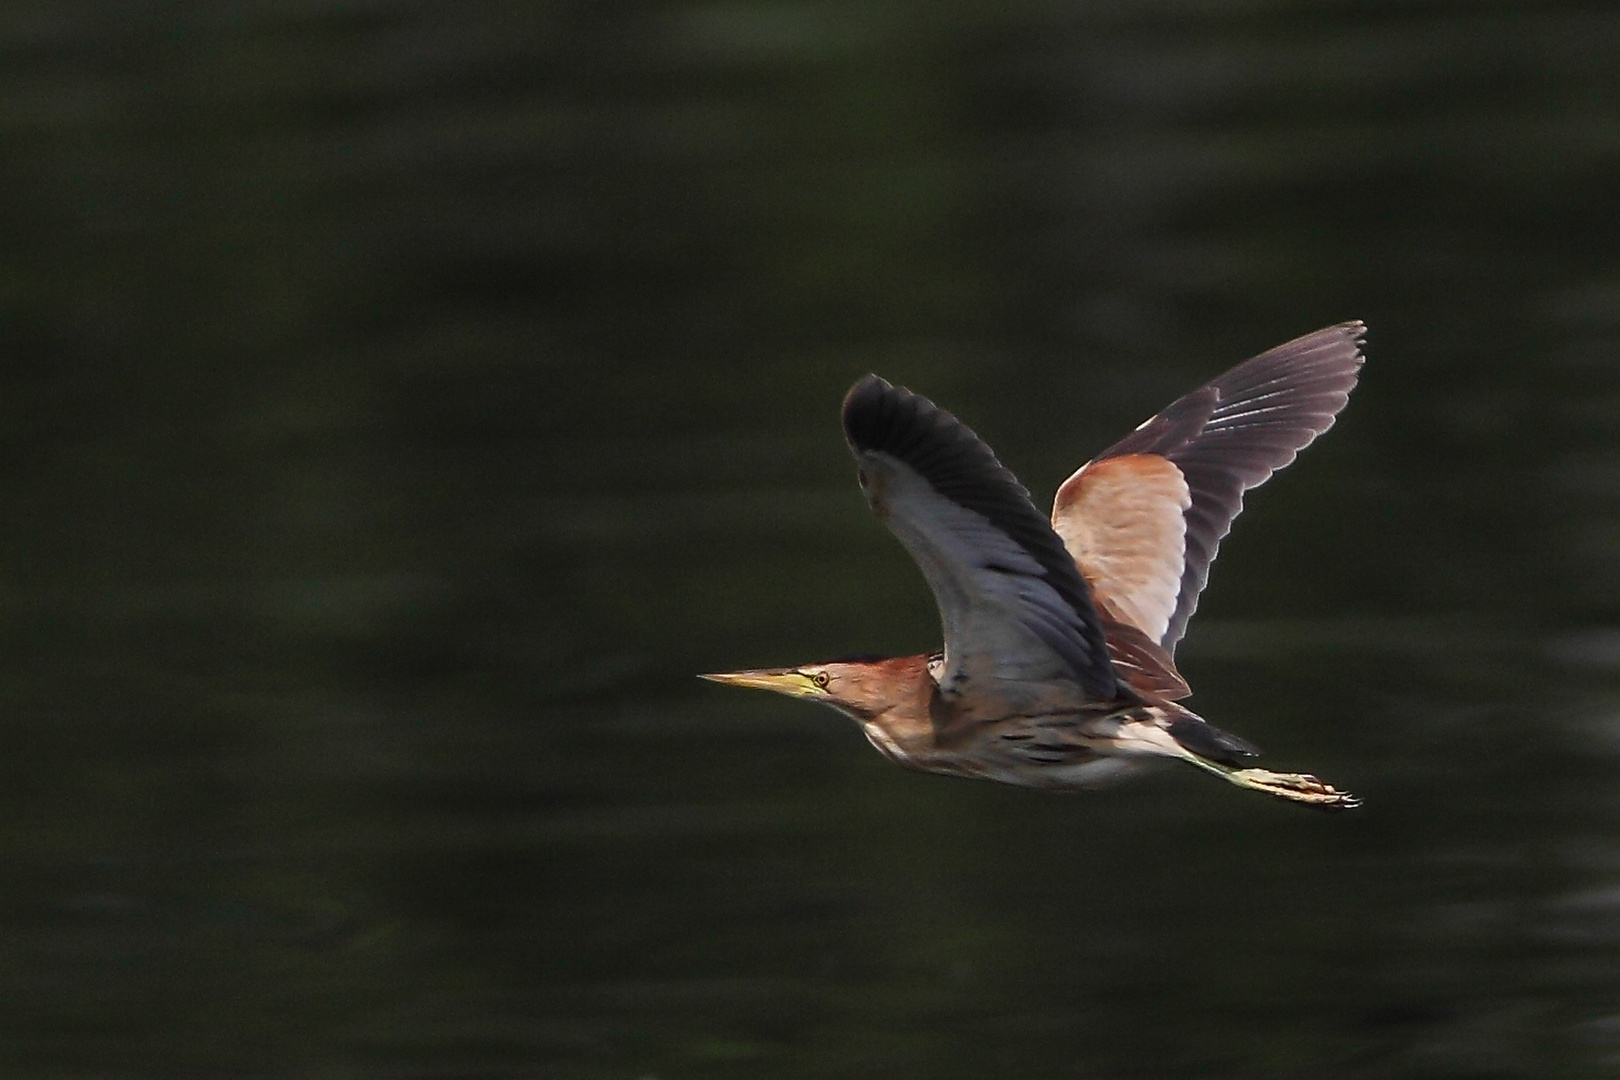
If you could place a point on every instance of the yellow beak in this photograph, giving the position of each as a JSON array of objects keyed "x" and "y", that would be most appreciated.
[{"x": 782, "y": 680}]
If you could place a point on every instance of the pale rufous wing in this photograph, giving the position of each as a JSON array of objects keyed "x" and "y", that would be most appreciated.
[
  {"x": 1123, "y": 520},
  {"x": 1143, "y": 520},
  {"x": 1020, "y": 629}
]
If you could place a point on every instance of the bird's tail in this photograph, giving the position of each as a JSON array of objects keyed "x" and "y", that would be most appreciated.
[{"x": 1200, "y": 737}]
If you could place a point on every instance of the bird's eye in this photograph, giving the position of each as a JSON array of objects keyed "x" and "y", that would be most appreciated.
[{"x": 820, "y": 679}]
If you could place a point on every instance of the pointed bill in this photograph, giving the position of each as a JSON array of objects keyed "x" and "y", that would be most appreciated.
[{"x": 781, "y": 680}]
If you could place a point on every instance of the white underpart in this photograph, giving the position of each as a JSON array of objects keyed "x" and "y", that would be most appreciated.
[
  {"x": 885, "y": 745},
  {"x": 1097, "y": 771},
  {"x": 1146, "y": 739},
  {"x": 1124, "y": 753}
]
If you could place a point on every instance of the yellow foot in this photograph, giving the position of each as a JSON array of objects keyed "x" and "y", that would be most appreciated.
[{"x": 1295, "y": 787}]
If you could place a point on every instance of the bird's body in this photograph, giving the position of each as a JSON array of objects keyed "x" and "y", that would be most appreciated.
[
  {"x": 1057, "y": 669},
  {"x": 1072, "y": 745}
]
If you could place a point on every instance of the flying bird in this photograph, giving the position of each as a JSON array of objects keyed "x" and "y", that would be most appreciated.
[{"x": 1058, "y": 668}]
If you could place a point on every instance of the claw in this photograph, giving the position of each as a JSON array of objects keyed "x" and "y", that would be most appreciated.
[{"x": 1291, "y": 787}]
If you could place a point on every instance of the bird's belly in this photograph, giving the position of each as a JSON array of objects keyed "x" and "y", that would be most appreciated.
[
  {"x": 1040, "y": 764},
  {"x": 1073, "y": 770},
  {"x": 1055, "y": 752}
]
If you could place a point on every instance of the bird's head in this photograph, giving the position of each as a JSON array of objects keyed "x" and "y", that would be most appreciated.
[{"x": 862, "y": 687}]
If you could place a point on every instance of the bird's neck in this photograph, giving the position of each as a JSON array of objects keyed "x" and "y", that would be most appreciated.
[{"x": 902, "y": 723}]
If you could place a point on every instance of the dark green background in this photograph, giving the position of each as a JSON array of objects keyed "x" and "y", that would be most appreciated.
[{"x": 401, "y": 401}]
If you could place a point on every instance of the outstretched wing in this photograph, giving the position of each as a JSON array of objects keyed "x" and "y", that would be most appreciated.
[
  {"x": 1019, "y": 626},
  {"x": 1143, "y": 520}
]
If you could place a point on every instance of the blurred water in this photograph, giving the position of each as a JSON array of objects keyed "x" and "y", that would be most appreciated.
[{"x": 403, "y": 400}]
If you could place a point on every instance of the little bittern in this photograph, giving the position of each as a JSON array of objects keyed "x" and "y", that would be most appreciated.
[{"x": 1058, "y": 664}]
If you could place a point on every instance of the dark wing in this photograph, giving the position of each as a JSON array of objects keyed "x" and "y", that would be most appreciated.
[
  {"x": 1143, "y": 519},
  {"x": 1019, "y": 626}
]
